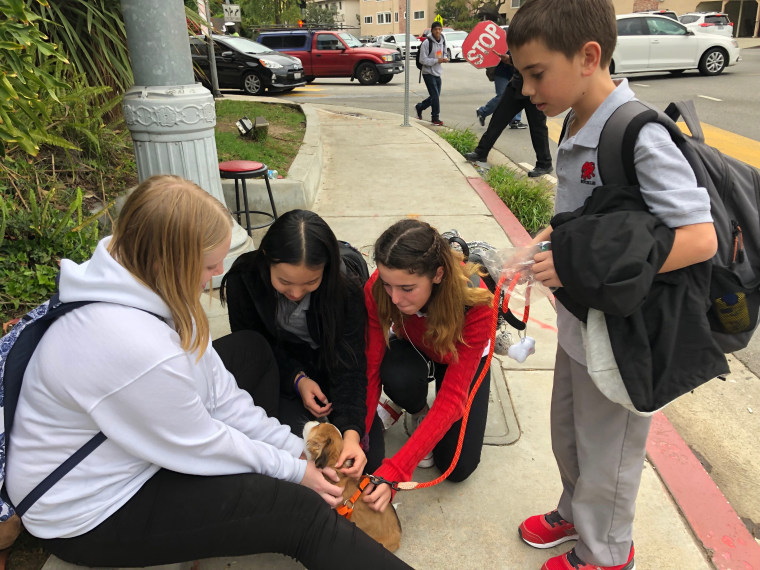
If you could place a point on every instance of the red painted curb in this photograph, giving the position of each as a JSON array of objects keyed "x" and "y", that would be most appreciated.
[
  {"x": 503, "y": 215},
  {"x": 706, "y": 509}
]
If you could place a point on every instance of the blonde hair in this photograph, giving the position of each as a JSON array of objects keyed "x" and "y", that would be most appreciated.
[
  {"x": 163, "y": 231},
  {"x": 417, "y": 247}
]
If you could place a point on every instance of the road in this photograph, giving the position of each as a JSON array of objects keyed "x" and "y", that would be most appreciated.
[{"x": 720, "y": 421}]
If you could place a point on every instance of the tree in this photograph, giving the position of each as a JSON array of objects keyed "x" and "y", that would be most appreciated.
[
  {"x": 453, "y": 10},
  {"x": 319, "y": 17}
]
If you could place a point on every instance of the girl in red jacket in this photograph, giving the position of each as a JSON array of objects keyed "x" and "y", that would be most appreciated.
[{"x": 428, "y": 320}]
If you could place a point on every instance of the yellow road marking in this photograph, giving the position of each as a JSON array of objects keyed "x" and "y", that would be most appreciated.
[{"x": 742, "y": 148}]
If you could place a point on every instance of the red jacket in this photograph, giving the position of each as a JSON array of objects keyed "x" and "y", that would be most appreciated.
[{"x": 450, "y": 400}]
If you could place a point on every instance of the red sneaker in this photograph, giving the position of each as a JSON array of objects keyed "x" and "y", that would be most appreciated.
[
  {"x": 570, "y": 561},
  {"x": 545, "y": 531}
]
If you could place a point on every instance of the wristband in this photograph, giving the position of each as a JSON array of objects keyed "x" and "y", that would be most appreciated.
[{"x": 300, "y": 377}]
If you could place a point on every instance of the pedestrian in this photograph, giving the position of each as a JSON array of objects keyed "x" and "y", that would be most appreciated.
[
  {"x": 512, "y": 102},
  {"x": 432, "y": 55},
  {"x": 429, "y": 321},
  {"x": 563, "y": 50},
  {"x": 190, "y": 468},
  {"x": 295, "y": 291},
  {"x": 501, "y": 75}
]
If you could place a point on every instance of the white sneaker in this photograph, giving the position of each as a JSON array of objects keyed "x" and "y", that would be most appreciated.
[
  {"x": 388, "y": 412},
  {"x": 411, "y": 422}
]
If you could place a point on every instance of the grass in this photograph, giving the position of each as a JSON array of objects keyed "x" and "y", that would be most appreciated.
[
  {"x": 286, "y": 130},
  {"x": 464, "y": 141},
  {"x": 530, "y": 201}
]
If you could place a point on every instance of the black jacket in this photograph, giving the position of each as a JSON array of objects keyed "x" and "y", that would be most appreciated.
[
  {"x": 607, "y": 255},
  {"x": 252, "y": 305}
]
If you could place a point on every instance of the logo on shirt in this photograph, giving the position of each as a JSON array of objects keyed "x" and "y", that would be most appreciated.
[{"x": 588, "y": 173}]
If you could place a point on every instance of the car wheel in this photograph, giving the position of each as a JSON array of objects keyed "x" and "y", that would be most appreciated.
[
  {"x": 309, "y": 78},
  {"x": 367, "y": 73},
  {"x": 713, "y": 62},
  {"x": 252, "y": 84},
  {"x": 385, "y": 79}
]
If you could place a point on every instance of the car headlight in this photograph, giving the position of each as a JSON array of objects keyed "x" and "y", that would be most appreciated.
[
  {"x": 388, "y": 57},
  {"x": 269, "y": 64}
]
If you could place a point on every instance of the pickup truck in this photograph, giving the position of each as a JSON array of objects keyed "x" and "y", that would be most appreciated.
[{"x": 335, "y": 54}]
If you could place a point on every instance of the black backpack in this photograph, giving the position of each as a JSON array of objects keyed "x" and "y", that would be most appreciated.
[
  {"x": 419, "y": 51},
  {"x": 354, "y": 261},
  {"x": 734, "y": 189},
  {"x": 16, "y": 349}
]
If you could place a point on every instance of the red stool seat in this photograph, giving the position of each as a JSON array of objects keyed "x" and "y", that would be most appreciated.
[
  {"x": 239, "y": 170},
  {"x": 241, "y": 166}
]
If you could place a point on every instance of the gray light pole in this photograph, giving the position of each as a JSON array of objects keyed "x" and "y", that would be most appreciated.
[{"x": 170, "y": 117}]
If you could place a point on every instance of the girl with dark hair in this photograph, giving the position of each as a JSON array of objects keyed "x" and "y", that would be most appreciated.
[
  {"x": 295, "y": 291},
  {"x": 429, "y": 320}
]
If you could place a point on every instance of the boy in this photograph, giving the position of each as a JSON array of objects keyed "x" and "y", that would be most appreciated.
[
  {"x": 432, "y": 55},
  {"x": 563, "y": 49}
]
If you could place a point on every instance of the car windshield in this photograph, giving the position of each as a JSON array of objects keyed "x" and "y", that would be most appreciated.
[
  {"x": 688, "y": 19},
  {"x": 455, "y": 36},
  {"x": 350, "y": 40},
  {"x": 245, "y": 45}
]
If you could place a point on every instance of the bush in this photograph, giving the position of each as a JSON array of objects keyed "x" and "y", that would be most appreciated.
[
  {"x": 530, "y": 201},
  {"x": 464, "y": 141}
]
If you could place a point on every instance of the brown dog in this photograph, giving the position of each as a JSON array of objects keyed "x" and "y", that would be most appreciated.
[{"x": 324, "y": 444}]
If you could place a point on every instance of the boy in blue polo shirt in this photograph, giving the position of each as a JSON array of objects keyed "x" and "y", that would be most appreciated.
[{"x": 563, "y": 49}]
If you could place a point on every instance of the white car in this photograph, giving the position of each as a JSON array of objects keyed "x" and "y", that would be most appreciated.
[
  {"x": 708, "y": 22},
  {"x": 454, "y": 42},
  {"x": 657, "y": 43},
  {"x": 398, "y": 42}
]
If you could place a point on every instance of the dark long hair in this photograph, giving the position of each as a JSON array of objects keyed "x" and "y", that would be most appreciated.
[{"x": 301, "y": 237}]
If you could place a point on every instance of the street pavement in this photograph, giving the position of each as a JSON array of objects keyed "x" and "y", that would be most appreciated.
[{"x": 375, "y": 171}]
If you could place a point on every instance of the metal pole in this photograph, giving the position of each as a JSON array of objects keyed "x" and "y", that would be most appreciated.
[
  {"x": 211, "y": 52},
  {"x": 171, "y": 117},
  {"x": 406, "y": 63}
]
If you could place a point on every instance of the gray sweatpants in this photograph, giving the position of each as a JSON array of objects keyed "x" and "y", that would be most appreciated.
[{"x": 599, "y": 447}]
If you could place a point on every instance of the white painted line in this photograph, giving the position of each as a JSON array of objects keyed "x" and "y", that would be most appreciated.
[
  {"x": 710, "y": 98},
  {"x": 641, "y": 85}
]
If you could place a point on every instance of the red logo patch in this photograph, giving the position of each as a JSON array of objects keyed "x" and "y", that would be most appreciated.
[{"x": 587, "y": 170}]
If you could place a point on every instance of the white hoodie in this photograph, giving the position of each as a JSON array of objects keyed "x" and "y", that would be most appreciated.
[{"x": 115, "y": 367}]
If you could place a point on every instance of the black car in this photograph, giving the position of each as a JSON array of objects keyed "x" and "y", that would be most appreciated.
[{"x": 247, "y": 65}]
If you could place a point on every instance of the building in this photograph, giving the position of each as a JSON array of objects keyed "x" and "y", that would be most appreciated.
[
  {"x": 379, "y": 17},
  {"x": 347, "y": 12},
  {"x": 744, "y": 13}
]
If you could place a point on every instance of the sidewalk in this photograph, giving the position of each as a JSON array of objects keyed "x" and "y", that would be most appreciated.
[{"x": 365, "y": 186}]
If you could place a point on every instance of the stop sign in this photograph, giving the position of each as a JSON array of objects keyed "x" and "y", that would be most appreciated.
[{"x": 479, "y": 45}]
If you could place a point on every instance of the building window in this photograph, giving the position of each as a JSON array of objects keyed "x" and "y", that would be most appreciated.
[
  {"x": 367, "y": 19},
  {"x": 419, "y": 15},
  {"x": 516, "y": 3},
  {"x": 383, "y": 17},
  {"x": 395, "y": 17}
]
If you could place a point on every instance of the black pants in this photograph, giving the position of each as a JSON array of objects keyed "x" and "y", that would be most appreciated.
[
  {"x": 404, "y": 375},
  {"x": 176, "y": 517},
  {"x": 511, "y": 103}
]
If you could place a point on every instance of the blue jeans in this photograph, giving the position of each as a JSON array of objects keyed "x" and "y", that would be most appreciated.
[
  {"x": 433, "y": 84},
  {"x": 500, "y": 84}
]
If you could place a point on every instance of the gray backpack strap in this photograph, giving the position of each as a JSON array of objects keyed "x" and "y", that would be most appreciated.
[
  {"x": 615, "y": 165},
  {"x": 688, "y": 112}
]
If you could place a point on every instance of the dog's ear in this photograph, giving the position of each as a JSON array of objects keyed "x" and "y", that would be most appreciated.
[{"x": 324, "y": 454}]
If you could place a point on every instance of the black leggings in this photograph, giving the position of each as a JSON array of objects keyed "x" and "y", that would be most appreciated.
[
  {"x": 176, "y": 517},
  {"x": 404, "y": 375}
]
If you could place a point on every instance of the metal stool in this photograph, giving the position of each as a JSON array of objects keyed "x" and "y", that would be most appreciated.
[{"x": 242, "y": 170}]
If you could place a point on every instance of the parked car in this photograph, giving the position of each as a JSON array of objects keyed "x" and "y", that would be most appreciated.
[
  {"x": 327, "y": 53},
  {"x": 708, "y": 22},
  {"x": 247, "y": 65},
  {"x": 454, "y": 42},
  {"x": 667, "y": 13},
  {"x": 398, "y": 43},
  {"x": 658, "y": 43}
]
